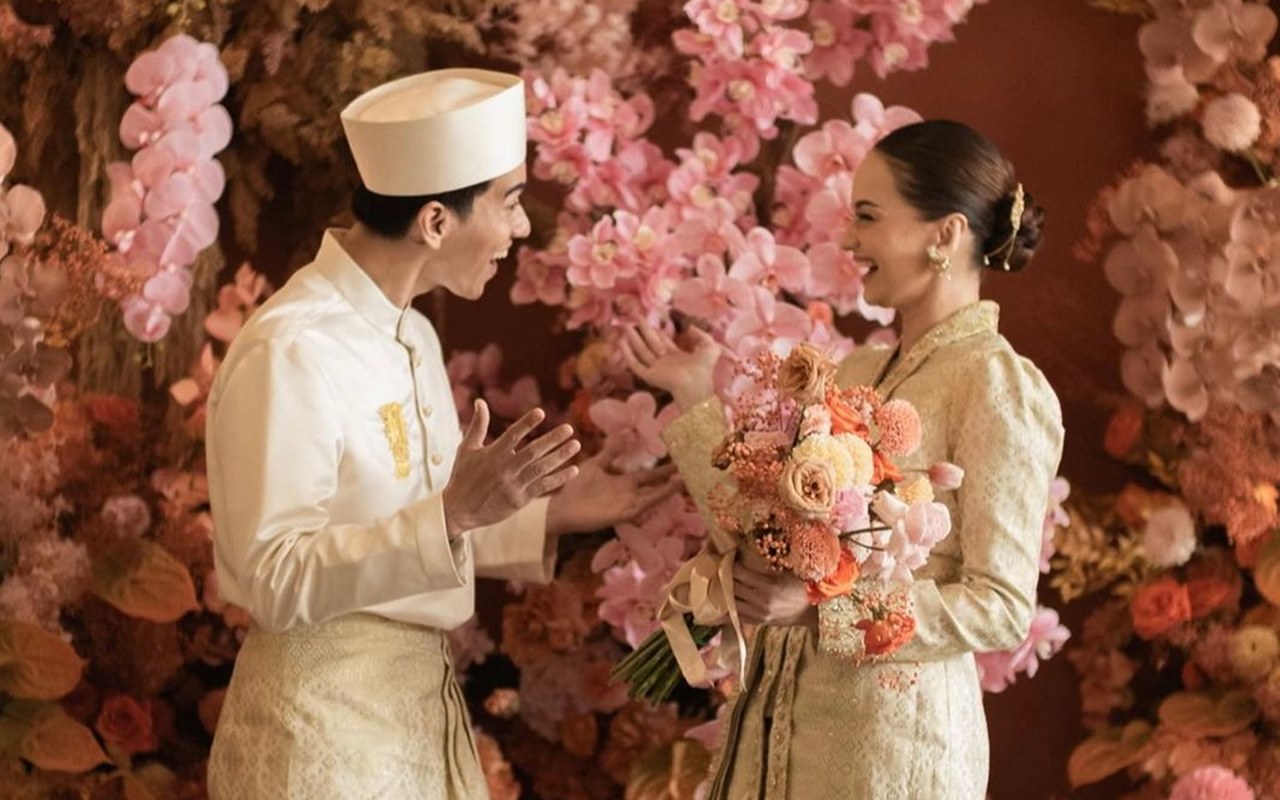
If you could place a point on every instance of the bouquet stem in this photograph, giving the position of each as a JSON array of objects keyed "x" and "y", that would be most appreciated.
[{"x": 651, "y": 671}]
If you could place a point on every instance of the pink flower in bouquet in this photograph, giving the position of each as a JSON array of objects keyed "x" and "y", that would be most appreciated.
[
  {"x": 837, "y": 42},
  {"x": 632, "y": 430},
  {"x": 1211, "y": 783},
  {"x": 946, "y": 476},
  {"x": 900, "y": 428},
  {"x": 850, "y": 510},
  {"x": 815, "y": 419},
  {"x": 997, "y": 671},
  {"x": 815, "y": 551}
]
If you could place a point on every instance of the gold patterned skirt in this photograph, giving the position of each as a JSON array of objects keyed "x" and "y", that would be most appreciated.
[
  {"x": 356, "y": 708},
  {"x": 808, "y": 726}
]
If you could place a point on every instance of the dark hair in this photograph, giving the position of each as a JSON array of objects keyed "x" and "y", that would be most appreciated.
[
  {"x": 942, "y": 167},
  {"x": 391, "y": 216}
]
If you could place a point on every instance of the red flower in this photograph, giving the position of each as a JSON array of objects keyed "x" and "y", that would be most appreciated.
[
  {"x": 127, "y": 724},
  {"x": 1123, "y": 431},
  {"x": 1159, "y": 607}
]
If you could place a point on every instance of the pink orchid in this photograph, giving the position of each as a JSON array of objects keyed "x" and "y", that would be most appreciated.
[
  {"x": 837, "y": 42},
  {"x": 998, "y": 671},
  {"x": 711, "y": 229},
  {"x": 512, "y": 403},
  {"x": 768, "y": 323},
  {"x": 541, "y": 277},
  {"x": 712, "y": 296},
  {"x": 792, "y": 196},
  {"x": 830, "y": 209},
  {"x": 632, "y": 430},
  {"x": 833, "y": 149},
  {"x": 1234, "y": 29},
  {"x": 1154, "y": 197},
  {"x": 721, "y": 21},
  {"x": 766, "y": 263},
  {"x": 1141, "y": 370},
  {"x": 835, "y": 277},
  {"x": 873, "y": 121},
  {"x": 1142, "y": 265},
  {"x": 1056, "y": 517},
  {"x": 22, "y": 212},
  {"x": 628, "y": 601}
]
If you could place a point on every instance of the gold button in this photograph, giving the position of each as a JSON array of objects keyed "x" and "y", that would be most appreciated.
[{"x": 436, "y": 459}]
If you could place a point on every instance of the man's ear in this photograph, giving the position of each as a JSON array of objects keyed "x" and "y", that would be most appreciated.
[{"x": 433, "y": 223}]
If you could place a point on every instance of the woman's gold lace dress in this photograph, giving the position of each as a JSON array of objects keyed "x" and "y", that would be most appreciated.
[{"x": 810, "y": 725}]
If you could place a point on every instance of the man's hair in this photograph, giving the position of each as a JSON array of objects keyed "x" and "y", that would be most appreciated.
[{"x": 390, "y": 217}]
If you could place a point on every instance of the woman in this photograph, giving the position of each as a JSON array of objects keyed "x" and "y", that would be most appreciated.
[{"x": 935, "y": 205}]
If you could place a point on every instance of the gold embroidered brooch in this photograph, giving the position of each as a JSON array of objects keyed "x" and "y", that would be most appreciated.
[{"x": 397, "y": 437}]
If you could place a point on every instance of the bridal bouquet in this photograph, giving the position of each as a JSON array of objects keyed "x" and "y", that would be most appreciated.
[{"x": 815, "y": 491}]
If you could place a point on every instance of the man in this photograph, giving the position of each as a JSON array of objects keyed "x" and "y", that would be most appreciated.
[{"x": 352, "y": 514}]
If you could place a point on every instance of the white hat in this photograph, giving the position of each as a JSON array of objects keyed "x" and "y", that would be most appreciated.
[{"x": 437, "y": 131}]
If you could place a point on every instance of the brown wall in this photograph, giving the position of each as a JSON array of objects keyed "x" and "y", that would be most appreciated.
[{"x": 1058, "y": 85}]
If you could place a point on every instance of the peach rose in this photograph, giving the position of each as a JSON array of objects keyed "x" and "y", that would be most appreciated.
[
  {"x": 1211, "y": 594},
  {"x": 127, "y": 724},
  {"x": 836, "y": 584},
  {"x": 805, "y": 373},
  {"x": 1123, "y": 431},
  {"x": 1159, "y": 607},
  {"x": 809, "y": 487}
]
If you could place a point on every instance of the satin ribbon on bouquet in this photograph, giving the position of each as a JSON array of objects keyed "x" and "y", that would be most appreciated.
[{"x": 703, "y": 587}]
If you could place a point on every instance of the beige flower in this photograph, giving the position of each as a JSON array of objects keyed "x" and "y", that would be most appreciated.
[
  {"x": 864, "y": 461},
  {"x": 1232, "y": 122},
  {"x": 1255, "y": 651},
  {"x": 915, "y": 489},
  {"x": 808, "y": 486},
  {"x": 832, "y": 450},
  {"x": 805, "y": 373}
]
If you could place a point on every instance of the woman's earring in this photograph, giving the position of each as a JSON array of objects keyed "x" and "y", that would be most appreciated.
[{"x": 941, "y": 262}]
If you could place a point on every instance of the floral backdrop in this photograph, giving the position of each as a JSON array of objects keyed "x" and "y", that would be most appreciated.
[{"x": 193, "y": 128}]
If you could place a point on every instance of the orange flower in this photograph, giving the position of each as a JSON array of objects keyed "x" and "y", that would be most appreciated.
[
  {"x": 885, "y": 470},
  {"x": 885, "y": 635},
  {"x": 844, "y": 419},
  {"x": 837, "y": 583},
  {"x": 1159, "y": 607},
  {"x": 805, "y": 373},
  {"x": 1123, "y": 431}
]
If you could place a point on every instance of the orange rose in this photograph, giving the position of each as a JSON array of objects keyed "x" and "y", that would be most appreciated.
[
  {"x": 837, "y": 583},
  {"x": 843, "y": 418},
  {"x": 1123, "y": 431},
  {"x": 126, "y": 724},
  {"x": 805, "y": 374},
  {"x": 885, "y": 635},
  {"x": 1159, "y": 607}
]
